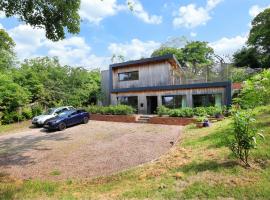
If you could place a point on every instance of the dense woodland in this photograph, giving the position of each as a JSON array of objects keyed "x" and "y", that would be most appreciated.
[{"x": 32, "y": 85}]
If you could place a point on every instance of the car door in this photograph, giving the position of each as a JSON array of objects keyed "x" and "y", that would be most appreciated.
[{"x": 74, "y": 118}]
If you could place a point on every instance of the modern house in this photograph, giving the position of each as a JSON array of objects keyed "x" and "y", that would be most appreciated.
[{"x": 148, "y": 83}]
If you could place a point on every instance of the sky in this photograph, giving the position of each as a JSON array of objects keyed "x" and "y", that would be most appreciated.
[{"x": 110, "y": 28}]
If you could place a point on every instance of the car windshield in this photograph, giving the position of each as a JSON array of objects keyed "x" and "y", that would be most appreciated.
[
  {"x": 50, "y": 111},
  {"x": 65, "y": 113}
]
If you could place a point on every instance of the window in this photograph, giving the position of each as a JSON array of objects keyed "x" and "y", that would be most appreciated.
[
  {"x": 174, "y": 101},
  {"x": 130, "y": 101},
  {"x": 207, "y": 100},
  {"x": 128, "y": 76}
]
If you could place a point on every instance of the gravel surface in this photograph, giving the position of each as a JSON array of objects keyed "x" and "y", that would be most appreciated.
[{"x": 84, "y": 151}]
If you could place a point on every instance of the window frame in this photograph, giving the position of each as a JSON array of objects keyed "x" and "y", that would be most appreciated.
[
  {"x": 128, "y": 73},
  {"x": 208, "y": 102},
  {"x": 173, "y": 96}
]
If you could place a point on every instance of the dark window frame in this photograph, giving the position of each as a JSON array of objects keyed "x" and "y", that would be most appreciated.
[
  {"x": 134, "y": 106},
  {"x": 174, "y": 103},
  {"x": 208, "y": 100},
  {"x": 129, "y": 76}
]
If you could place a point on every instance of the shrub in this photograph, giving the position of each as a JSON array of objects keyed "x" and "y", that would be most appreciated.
[
  {"x": 27, "y": 113},
  {"x": 111, "y": 110},
  {"x": 188, "y": 112},
  {"x": 213, "y": 110},
  {"x": 37, "y": 110},
  {"x": 244, "y": 135},
  {"x": 162, "y": 110},
  {"x": 200, "y": 111},
  {"x": 256, "y": 91},
  {"x": 10, "y": 117},
  {"x": 176, "y": 113}
]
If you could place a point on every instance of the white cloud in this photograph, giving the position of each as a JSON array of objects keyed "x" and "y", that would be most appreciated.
[
  {"x": 256, "y": 9},
  {"x": 191, "y": 16},
  {"x": 27, "y": 39},
  {"x": 139, "y": 12},
  {"x": 136, "y": 49},
  {"x": 227, "y": 46},
  {"x": 192, "y": 34},
  {"x": 72, "y": 51},
  {"x": 96, "y": 10}
]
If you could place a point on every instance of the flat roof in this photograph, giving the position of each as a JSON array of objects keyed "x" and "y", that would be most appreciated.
[{"x": 168, "y": 57}]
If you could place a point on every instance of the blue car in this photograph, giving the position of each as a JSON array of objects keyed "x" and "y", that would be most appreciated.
[{"x": 66, "y": 119}]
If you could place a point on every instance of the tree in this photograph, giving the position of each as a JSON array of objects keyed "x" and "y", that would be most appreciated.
[
  {"x": 178, "y": 52},
  {"x": 257, "y": 54},
  {"x": 198, "y": 55},
  {"x": 6, "y": 50},
  {"x": 55, "y": 16},
  {"x": 247, "y": 57},
  {"x": 259, "y": 35}
]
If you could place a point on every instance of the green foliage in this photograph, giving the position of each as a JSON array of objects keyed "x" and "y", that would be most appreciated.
[
  {"x": 259, "y": 34},
  {"x": 194, "y": 54},
  {"x": 257, "y": 54},
  {"x": 111, "y": 110},
  {"x": 162, "y": 110},
  {"x": 244, "y": 135},
  {"x": 247, "y": 57},
  {"x": 200, "y": 111},
  {"x": 256, "y": 91},
  {"x": 54, "y": 16},
  {"x": 12, "y": 95},
  {"x": 190, "y": 112},
  {"x": 27, "y": 113},
  {"x": 11, "y": 117},
  {"x": 239, "y": 75},
  {"x": 178, "y": 52},
  {"x": 37, "y": 110}
]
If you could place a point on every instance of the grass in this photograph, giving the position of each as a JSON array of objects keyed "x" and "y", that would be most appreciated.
[
  {"x": 199, "y": 167},
  {"x": 5, "y": 129}
]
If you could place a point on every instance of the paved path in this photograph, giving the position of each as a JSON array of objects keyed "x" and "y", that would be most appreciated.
[{"x": 84, "y": 151}]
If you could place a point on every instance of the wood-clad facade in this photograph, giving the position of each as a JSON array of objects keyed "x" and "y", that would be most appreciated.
[{"x": 148, "y": 83}]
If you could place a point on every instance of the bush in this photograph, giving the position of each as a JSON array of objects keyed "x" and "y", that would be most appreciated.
[
  {"x": 200, "y": 111},
  {"x": 37, "y": 110},
  {"x": 176, "y": 113},
  {"x": 162, "y": 110},
  {"x": 244, "y": 135},
  {"x": 188, "y": 112},
  {"x": 111, "y": 110},
  {"x": 27, "y": 113},
  {"x": 255, "y": 92},
  {"x": 213, "y": 111},
  {"x": 11, "y": 117}
]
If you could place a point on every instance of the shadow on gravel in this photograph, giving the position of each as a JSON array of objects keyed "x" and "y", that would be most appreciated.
[{"x": 12, "y": 149}]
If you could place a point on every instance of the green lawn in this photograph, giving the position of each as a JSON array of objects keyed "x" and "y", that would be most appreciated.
[{"x": 200, "y": 166}]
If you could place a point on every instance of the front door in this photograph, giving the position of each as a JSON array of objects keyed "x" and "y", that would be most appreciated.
[{"x": 152, "y": 103}]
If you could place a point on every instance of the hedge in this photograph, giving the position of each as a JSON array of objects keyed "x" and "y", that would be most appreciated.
[
  {"x": 111, "y": 110},
  {"x": 190, "y": 112}
]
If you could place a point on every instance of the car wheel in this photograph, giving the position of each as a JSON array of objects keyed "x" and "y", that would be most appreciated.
[
  {"x": 85, "y": 120},
  {"x": 62, "y": 126}
]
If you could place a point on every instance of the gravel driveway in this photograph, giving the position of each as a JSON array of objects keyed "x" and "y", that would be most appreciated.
[{"x": 84, "y": 151}]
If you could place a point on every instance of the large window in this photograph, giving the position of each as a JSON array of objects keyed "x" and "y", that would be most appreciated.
[
  {"x": 207, "y": 100},
  {"x": 174, "y": 101},
  {"x": 130, "y": 101},
  {"x": 128, "y": 76}
]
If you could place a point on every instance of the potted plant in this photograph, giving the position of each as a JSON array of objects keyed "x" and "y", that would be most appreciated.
[{"x": 202, "y": 121}]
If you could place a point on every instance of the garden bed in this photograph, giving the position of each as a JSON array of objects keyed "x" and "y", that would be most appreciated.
[
  {"x": 172, "y": 120},
  {"x": 114, "y": 118}
]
